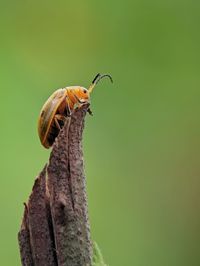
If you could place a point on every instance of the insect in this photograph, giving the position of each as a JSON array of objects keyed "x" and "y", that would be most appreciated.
[{"x": 61, "y": 105}]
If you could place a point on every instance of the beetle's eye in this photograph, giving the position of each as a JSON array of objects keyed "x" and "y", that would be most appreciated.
[{"x": 84, "y": 91}]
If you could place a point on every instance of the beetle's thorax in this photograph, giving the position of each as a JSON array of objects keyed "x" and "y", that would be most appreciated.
[{"x": 70, "y": 95}]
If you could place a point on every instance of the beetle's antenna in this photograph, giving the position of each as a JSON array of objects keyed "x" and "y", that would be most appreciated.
[{"x": 97, "y": 79}]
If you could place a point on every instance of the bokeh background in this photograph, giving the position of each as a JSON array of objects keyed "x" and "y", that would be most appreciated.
[{"x": 141, "y": 147}]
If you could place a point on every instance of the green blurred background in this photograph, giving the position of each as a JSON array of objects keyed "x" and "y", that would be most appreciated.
[{"x": 141, "y": 147}]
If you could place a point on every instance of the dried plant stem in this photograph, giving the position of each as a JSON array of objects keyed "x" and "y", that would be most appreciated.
[{"x": 55, "y": 228}]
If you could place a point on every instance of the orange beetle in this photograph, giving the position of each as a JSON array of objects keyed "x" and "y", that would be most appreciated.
[{"x": 59, "y": 106}]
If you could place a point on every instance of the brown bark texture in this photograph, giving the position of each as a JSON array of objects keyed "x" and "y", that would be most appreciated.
[{"x": 55, "y": 228}]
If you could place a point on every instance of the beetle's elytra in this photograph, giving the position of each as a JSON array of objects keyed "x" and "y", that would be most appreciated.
[{"x": 59, "y": 106}]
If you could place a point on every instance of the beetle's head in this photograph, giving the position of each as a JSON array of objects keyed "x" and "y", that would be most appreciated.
[{"x": 81, "y": 94}]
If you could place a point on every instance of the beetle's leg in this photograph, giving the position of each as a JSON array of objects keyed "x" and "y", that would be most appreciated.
[
  {"x": 69, "y": 112},
  {"x": 57, "y": 123},
  {"x": 80, "y": 103},
  {"x": 59, "y": 117},
  {"x": 89, "y": 111}
]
